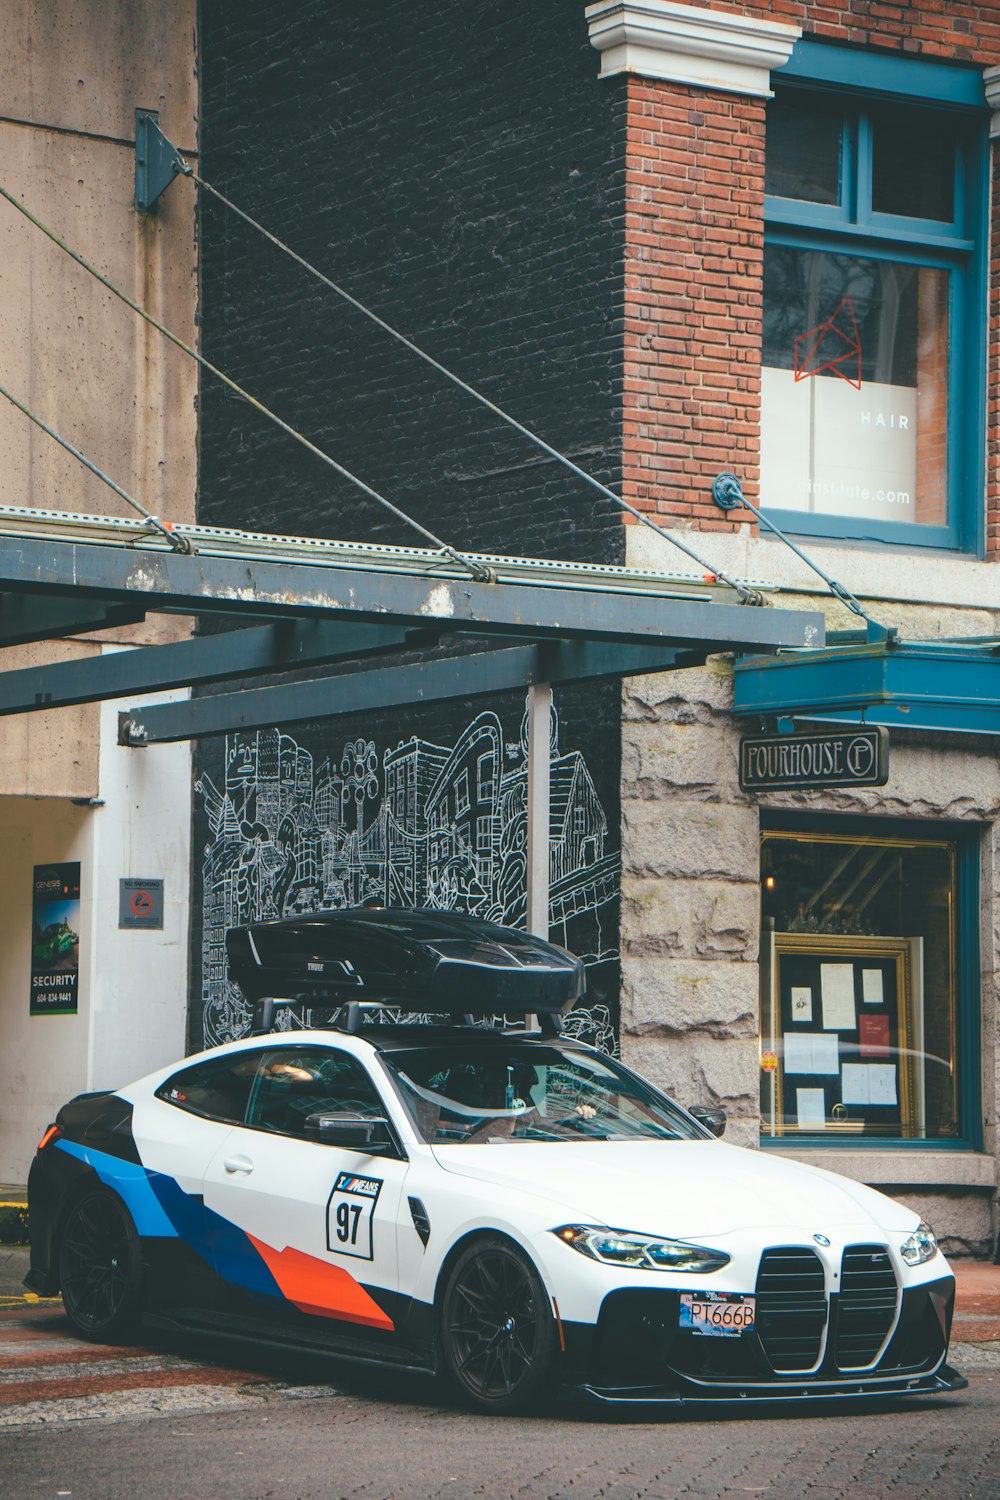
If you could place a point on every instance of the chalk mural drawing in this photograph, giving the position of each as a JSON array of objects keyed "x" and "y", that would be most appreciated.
[{"x": 441, "y": 827}]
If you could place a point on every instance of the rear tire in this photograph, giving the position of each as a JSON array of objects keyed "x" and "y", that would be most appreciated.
[
  {"x": 100, "y": 1268},
  {"x": 498, "y": 1338}
]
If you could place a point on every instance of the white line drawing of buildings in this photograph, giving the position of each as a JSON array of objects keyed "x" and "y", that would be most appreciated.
[{"x": 441, "y": 826}]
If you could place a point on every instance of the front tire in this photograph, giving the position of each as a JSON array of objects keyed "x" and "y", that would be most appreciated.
[
  {"x": 498, "y": 1338},
  {"x": 100, "y": 1268}
]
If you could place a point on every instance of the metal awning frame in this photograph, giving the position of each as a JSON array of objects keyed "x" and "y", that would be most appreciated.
[
  {"x": 290, "y": 607},
  {"x": 934, "y": 686},
  {"x": 287, "y": 613}
]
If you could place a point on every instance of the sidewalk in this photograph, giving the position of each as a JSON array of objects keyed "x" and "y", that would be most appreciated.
[
  {"x": 977, "y": 1302},
  {"x": 13, "y": 1214}
]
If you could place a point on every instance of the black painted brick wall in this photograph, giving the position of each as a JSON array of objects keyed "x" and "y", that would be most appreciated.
[{"x": 458, "y": 166}]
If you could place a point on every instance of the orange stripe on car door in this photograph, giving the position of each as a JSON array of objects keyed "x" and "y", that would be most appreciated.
[{"x": 316, "y": 1287}]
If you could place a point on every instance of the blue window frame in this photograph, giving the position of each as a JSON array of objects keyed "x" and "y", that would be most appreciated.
[
  {"x": 873, "y": 388},
  {"x": 870, "y": 974}
]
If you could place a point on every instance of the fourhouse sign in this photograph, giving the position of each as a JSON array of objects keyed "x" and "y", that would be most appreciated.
[{"x": 856, "y": 758}]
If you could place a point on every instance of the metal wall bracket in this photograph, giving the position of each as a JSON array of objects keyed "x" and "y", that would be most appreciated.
[
  {"x": 157, "y": 161},
  {"x": 131, "y": 734}
]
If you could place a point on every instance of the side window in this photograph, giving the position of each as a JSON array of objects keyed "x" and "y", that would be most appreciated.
[
  {"x": 219, "y": 1089},
  {"x": 295, "y": 1082}
]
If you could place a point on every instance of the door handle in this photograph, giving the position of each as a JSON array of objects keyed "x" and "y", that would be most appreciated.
[{"x": 235, "y": 1165}]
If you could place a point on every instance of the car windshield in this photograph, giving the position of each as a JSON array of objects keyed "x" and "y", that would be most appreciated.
[{"x": 474, "y": 1094}]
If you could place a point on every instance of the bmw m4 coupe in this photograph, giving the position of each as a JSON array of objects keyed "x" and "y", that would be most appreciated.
[{"x": 497, "y": 1204}]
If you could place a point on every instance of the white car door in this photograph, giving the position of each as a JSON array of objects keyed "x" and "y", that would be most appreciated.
[{"x": 297, "y": 1219}]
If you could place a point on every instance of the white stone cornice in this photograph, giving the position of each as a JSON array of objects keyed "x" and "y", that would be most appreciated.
[
  {"x": 991, "y": 83},
  {"x": 709, "y": 49}
]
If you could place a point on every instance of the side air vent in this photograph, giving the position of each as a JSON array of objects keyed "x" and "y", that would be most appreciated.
[
  {"x": 791, "y": 1308},
  {"x": 867, "y": 1305},
  {"x": 421, "y": 1221}
]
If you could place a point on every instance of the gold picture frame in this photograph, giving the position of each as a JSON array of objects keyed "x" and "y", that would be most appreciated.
[{"x": 855, "y": 950}]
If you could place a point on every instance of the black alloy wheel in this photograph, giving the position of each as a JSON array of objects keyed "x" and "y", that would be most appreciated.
[
  {"x": 100, "y": 1268},
  {"x": 497, "y": 1331}
]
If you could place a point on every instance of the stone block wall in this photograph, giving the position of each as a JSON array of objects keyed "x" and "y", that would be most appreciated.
[
  {"x": 690, "y": 896},
  {"x": 691, "y": 930}
]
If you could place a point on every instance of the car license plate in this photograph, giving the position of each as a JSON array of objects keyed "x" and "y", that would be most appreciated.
[{"x": 725, "y": 1315}]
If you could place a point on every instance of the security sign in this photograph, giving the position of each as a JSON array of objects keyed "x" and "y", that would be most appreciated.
[{"x": 140, "y": 902}]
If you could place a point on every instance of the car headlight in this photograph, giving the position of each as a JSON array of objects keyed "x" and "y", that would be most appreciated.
[
  {"x": 920, "y": 1246},
  {"x": 641, "y": 1252}
]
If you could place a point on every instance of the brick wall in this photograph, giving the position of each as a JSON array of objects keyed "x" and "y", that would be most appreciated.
[
  {"x": 693, "y": 268},
  {"x": 993, "y": 373},
  {"x": 693, "y": 259},
  {"x": 456, "y": 167},
  {"x": 924, "y": 28}
]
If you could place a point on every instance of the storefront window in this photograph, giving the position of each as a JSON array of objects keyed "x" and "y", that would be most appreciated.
[{"x": 859, "y": 1016}]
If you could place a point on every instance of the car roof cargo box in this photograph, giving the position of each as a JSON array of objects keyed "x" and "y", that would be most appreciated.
[{"x": 430, "y": 960}]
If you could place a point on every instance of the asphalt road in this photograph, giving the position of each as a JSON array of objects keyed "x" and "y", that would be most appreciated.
[
  {"x": 174, "y": 1419},
  {"x": 254, "y": 1430}
]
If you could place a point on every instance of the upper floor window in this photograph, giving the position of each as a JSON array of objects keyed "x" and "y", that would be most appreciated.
[{"x": 871, "y": 398}]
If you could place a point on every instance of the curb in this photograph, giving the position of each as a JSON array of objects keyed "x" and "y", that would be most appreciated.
[{"x": 13, "y": 1223}]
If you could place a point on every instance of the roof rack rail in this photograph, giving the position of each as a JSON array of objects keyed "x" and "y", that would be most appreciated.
[{"x": 352, "y": 1014}]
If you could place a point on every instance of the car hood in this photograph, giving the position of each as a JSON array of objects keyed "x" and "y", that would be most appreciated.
[{"x": 686, "y": 1189}]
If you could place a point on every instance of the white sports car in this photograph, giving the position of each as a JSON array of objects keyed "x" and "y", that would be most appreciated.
[{"x": 509, "y": 1208}]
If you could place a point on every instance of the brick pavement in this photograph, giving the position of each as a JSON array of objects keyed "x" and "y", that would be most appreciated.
[
  {"x": 366, "y": 1442},
  {"x": 977, "y": 1302},
  {"x": 185, "y": 1426}
]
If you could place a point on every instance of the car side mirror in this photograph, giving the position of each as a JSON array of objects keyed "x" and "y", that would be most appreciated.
[
  {"x": 714, "y": 1120},
  {"x": 350, "y": 1132}
]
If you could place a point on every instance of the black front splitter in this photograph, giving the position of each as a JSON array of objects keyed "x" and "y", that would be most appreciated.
[{"x": 943, "y": 1381}]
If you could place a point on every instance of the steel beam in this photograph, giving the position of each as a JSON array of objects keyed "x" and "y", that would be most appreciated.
[
  {"x": 539, "y": 767},
  {"x": 47, "y": 617},
  {"x": 963, "y": 718},
  {"x": 228, "y": 655},
  {"x": 497, "y": 671},
  {"x": 173, "y": 582}
]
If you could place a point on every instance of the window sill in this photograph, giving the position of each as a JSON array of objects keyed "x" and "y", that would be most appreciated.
[{"x": 903, "y": 1168}]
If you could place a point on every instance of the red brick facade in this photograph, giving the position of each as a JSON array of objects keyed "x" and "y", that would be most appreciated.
[{"x": 694, "y": 257}]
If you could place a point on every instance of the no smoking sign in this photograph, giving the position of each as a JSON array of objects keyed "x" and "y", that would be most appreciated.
[{"x": 140, "y": 902}]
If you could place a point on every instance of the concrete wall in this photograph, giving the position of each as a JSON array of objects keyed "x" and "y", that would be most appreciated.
[
  {"x": 72, "y": 74},
  {"x": 133, "y": 984}
]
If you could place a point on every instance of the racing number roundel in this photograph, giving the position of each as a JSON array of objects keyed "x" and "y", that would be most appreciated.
[{"x": 349, "y": 1229}]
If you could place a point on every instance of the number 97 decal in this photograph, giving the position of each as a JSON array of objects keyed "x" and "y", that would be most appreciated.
[{"x": 349, "y": 1215}]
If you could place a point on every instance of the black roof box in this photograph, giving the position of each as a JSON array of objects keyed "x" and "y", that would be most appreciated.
[{"x": 427, "y": 960}]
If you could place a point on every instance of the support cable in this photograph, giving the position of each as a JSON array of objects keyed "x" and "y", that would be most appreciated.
[
  {"x": 746, "y": 595},
  {"x": 179, "y": 542},
  {"x": 479, "y": 571},
  {"x": 727, "y": 492}
]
